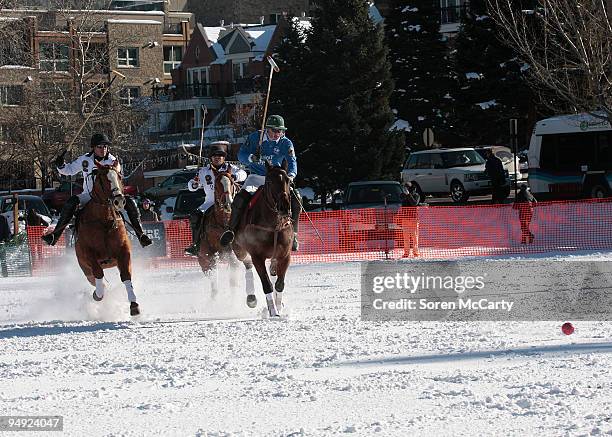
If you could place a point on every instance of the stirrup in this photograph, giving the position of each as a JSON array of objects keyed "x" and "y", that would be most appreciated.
[
  {"x": 144, "y": 240},
  {"x": 192, "y": 250},
  {"x": 49, "y": 239},
  {"x": 227, "y": 237},
  {"x": 295, "y": 245}
]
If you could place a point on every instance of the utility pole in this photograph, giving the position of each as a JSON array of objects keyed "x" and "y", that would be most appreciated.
[{"x": 514, "y": 139}]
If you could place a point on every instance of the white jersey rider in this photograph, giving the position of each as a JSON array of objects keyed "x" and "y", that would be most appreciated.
[
  {"x": 206, "y": 179},
  {"x": 87, "y": 165}
]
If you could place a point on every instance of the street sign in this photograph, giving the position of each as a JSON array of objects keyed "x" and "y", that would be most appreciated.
[{"x": 428, "y": 137}]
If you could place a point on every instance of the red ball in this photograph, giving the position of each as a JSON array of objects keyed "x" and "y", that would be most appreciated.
[{"x": 567, "y": 328}]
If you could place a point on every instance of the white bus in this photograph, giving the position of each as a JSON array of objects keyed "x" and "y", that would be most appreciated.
[{"x": 570, "y": 156}]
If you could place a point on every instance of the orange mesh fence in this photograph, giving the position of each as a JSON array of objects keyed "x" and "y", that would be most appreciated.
[{"x": 434, "y": 232}]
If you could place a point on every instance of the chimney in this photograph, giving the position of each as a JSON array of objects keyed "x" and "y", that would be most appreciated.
[{"x": 222, "y": 23}]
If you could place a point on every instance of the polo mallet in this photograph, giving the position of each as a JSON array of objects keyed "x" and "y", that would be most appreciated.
[
  {"x": 116, "y": 75},
  {"x": 204, "y": 112},
  {"x": 308, "y": 217},
  {"x": 274, "y": 68}
]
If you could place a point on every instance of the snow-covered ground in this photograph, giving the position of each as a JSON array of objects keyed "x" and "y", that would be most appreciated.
[{"x": 196, "y": 364}]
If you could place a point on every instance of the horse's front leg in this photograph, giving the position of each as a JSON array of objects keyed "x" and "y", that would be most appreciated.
[
  {"x": 249, "y": 283},
  {"x": 260, "y": 265},
  {"x": 281, "y": 270},
  {"x": 124, "y": 264},
  {"x": 98, "y": 274}
]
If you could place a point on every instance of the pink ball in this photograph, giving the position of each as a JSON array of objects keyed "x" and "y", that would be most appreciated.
[{"x": 567, "y": 328}]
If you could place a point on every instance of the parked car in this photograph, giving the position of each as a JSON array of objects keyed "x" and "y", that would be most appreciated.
[
  {"x": 25, "y": 203},
  {"x": 373, "y": 205},
  {"x": 171, "y": 185},
  {"x": 455, "y": 172},
  {"x": 505, "y": 154},
  {"x": 186, "y": 202},
  {"x": 56, "y": 198}
]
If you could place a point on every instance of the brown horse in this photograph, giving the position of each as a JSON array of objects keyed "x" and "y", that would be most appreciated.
[
  {"x": 102, "y": 240},
  {"x": 266, "y": 232},
  {"x": 215, "y": 222}
]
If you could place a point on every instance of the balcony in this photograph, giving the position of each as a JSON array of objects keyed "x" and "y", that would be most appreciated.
[{"x": 210, "y": 90}]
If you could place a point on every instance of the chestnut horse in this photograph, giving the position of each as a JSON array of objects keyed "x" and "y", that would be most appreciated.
[
  {"x": 102, "y": 240},
  {"x": 266, "y": 232},
  {"x": 215, "y": 222}
]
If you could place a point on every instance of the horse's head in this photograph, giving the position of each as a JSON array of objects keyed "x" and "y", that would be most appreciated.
[
  {"x": 109, "y": 185},
  {"x": 277, "y": 184},
  {"x": 224, "y": 190}
]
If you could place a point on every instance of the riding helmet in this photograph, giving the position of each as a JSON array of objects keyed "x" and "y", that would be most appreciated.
[
  {"x": 98, "y": 139},
  {"x": 218, "y": 147},
  {"x": 276, "y": 122}
]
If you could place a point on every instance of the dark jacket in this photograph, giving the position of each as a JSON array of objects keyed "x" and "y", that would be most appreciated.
[
  {"x": 495, "y": 169},
  {"x": 524, "y": 202},
  {"x": 148, "y": 215},
  {"x": 411, "y": 198}
]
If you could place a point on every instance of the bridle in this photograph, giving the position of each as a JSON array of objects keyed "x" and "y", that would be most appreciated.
[
  {"x": 272, "y": 201},
  {"x": 224, "y": 201},
  {"x": 116, "y": 200}
]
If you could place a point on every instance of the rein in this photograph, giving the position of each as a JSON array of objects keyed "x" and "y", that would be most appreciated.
[{"x": 282, "y": 220}]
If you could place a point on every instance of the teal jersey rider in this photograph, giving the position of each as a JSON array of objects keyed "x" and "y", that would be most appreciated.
[{"x": 273, "y": 150}]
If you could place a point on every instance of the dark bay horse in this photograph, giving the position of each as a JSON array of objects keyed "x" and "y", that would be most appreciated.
[
  {"x": 102, "y": 240},
  {"x": 215, "y": 222},
  {"x": 266, "y": 232}
]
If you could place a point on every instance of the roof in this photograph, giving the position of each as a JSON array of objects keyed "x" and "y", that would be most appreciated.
[
  {"x": 458, "y": 149},
  {"x": 573, "y": 123}
]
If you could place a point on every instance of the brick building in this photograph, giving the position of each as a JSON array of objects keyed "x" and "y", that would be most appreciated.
[{"x": 69, "y": 56}]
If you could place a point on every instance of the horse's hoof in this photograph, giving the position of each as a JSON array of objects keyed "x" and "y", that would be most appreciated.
[
  {"x": 251, "y": 301},
  {"x": 134, "y": 309},
  {"x": 49, "y": 239},
  {"x": 96, "y": 297},
  {"x": 226, "y": 238}
]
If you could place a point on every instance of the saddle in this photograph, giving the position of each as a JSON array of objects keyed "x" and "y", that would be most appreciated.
[{"x": 255, "y": 198}]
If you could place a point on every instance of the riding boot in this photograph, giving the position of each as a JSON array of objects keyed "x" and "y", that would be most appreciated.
[
  {"x": 66, "y": 215},
  {"x": 296, "y": 209},
  {"x": 195, "y": 222},
  {"x": 238, "y": 205},
  {"x": 134, "y": 217}
]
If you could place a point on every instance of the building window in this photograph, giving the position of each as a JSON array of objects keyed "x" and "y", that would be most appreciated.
[
  {"x": 239, "y": 70},
  {"x": 11, "y": 95},
  {"x": 127, "y": 57},
  {"x": 53, "y": 57},
  {"x": 173, "y": 55},
  {"x": 128, "y": 95},
  {"x": 199, "y": 81},
  {"x": 4, "y": 133}
]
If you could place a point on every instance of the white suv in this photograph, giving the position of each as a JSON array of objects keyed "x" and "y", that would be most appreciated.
[{"x": 458, "y": 172}]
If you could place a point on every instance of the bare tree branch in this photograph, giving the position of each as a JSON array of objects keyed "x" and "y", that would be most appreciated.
[{"x": 567, "y": 47}]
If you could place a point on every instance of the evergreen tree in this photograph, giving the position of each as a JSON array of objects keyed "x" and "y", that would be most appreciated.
[
  {"x": 422, "y": 69},
  {"x": 492, "y": 85},
  {"x": 338, "y": 102}
]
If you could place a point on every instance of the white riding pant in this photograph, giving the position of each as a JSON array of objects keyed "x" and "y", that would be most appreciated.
[
  {"x": 207, "y": 204},
  {"x": 253, "y": 182},
  {"x": 84, "y": 197}
]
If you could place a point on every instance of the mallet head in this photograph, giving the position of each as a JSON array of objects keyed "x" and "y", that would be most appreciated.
[{"x": 273, "y": 64}]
